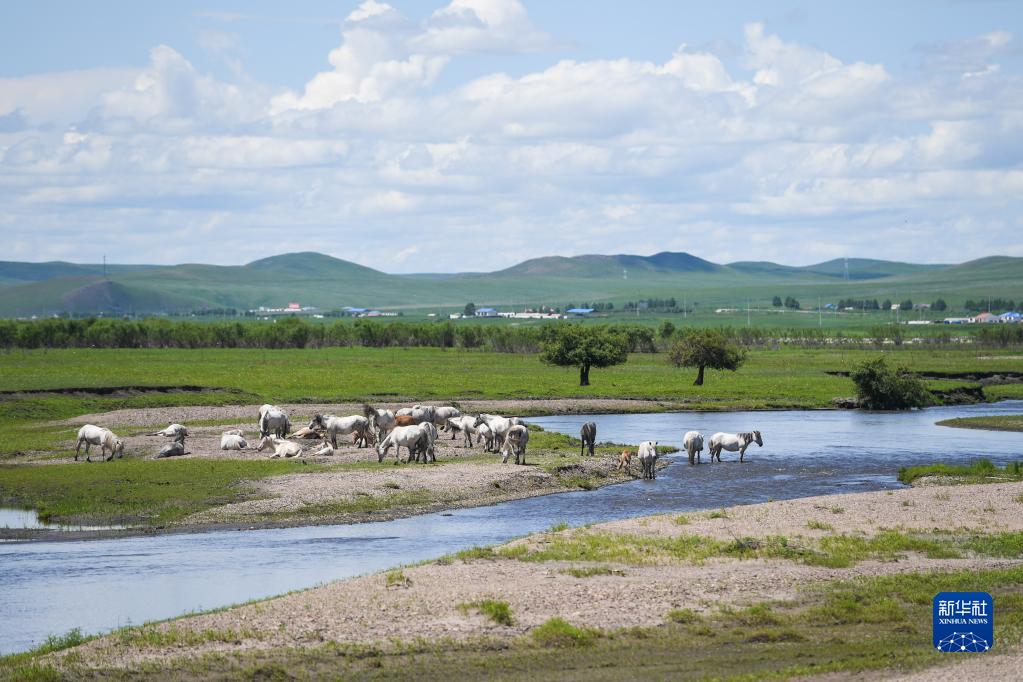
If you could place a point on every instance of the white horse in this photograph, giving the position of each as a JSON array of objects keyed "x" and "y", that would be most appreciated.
[
  {"x": 382, "y": 420},
  {"x": 273, "y": 417},
  {"x": 97, "y": 435},
  {"x": 426, "y": 443},
  {"x": 486, "y": 435},
  {"x": 232, "y": 441},
  {"x": 693, "y": 444},
  {"x": 463, "y": 425},
  {"x": 498, "y": 426},
  {"x": 341, "y": 426},
  {"x": 282, "y": 448},
  {"x": 419, "y": 413},
  {"x": 442, "y": 415},
  {"x": 400, "y": 437},
  {"x": 733, "y": 442},
  {"x": 172, "y": 431},
  {"x": 647, "y": 456},
  {"x": 515, "y": 440},
  {"x": 175, "y": 449}
]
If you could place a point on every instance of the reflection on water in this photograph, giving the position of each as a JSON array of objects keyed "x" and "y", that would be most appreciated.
[
  {"x": 48, "y": 588},
  {"x": 29, "y": 519}
]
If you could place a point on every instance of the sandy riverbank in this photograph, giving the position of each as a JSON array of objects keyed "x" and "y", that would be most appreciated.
[{"x": 369, "y": 610}]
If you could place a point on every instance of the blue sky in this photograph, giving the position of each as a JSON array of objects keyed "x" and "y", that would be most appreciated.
[{"x": 469, "y": 135}]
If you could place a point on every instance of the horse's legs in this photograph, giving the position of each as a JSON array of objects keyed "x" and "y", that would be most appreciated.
[{"x": 742, "y": 451}]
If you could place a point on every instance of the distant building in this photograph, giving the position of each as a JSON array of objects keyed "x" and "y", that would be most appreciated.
[
  {"x": 985, "y": 318},
  {"x": 486, "y": 312},
  {"x": 1010, "y": 316},
  {"x": 455, "y": 316},
  {"x": 896, "y": 306},
  {"x": 579, "y": 311},
  {"x": 921, "y": 306},
  {"x": 919, "y": 322},
  {"x": 958, "y": 320}
]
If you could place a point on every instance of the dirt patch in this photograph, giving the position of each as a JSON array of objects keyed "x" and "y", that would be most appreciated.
[
  {"x": 158, "y": 416},
  {"x": 119, "y": 391}
]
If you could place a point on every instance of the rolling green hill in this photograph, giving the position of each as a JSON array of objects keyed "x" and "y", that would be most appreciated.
[{"x": 329, "y": 283}]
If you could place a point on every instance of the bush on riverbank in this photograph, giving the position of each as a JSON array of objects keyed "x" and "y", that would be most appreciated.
[{"x": 879, "y": 387}]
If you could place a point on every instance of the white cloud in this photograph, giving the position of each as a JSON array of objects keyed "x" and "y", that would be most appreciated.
[
  {"x": 481, "y": 26},
  {"x": 793, "y": 150}
]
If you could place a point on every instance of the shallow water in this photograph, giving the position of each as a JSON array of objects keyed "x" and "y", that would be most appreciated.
[
  {"x": 49, "y": 588},
  {"x": 28, "y": 518}
]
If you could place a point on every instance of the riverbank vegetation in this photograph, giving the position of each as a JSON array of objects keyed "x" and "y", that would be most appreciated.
[
  {"x": 981, "y": 471},
  {"x": 1003, "y": 422}
]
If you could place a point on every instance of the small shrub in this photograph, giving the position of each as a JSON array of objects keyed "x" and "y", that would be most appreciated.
[
  {"x": 497, "y": 611},
  {"x": 474, "y": 553},
  {"x": 392, "y": 485},
  {"x": 558, "y": 527},
  {"x": 878, "y": 387},
  {"x": 721, "y": 514},
  {"x": 682, "y": 616},
  {"x": 561, "y": 633},
  {"x": 682, "y": 520},
  {"x": 819, "y": 525},
  {"x": 397, "y": 578}
]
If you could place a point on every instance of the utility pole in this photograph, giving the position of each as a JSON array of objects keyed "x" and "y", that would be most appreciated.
[
  {"x": 747, "y": 314},
  {"x": 820, "y": 314}
]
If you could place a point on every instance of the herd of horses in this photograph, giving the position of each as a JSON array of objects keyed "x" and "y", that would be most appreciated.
[
  {"x": 416, "y": 429},
  {"x": 692, "y": 443}
]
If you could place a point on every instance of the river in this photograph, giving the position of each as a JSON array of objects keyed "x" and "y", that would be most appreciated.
[{"x": 99, "y": 585}]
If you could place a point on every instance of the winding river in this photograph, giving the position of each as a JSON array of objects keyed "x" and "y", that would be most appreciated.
[{"x": 98, "y": 585}]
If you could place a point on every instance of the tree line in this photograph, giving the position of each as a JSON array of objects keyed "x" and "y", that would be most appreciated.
[
  {"x": 288, "y": 332},
  {"x": 294, "y": 332}
]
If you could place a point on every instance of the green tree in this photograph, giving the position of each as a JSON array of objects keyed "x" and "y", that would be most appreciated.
[
  {"x": 879, "y": 387},
  {"x": 666, "y": 329},
  {"x": 776, "y": 301},
  {"x": 906, "y": 305},
  {"x": 583, "y": 347},
  {"x": 469, "y": 310},
  {"x": 939, "y": 305},
  {"x": 705, "y": 348}
]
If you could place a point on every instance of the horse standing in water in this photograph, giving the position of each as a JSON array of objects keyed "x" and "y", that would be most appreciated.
[{"x": 733, "y": 442}]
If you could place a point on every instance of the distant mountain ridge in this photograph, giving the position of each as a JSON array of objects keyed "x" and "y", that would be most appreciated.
[{"x": 329, "y": 283}]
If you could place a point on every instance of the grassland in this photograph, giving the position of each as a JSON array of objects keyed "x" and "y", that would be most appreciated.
[
  {"x": 1005, "y": 422},
  {"x": 784, "y": 378},
  {"x": 133, "y": 491},
  {"x": 42, "y": 387}
]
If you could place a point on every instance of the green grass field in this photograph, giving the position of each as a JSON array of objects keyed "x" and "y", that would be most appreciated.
[
  {"x": 788, "y": 377},
  {"x": 164, "y": 491}
]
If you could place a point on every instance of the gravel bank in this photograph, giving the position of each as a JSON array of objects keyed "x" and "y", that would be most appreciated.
[{"x": 368, "y": 610}]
